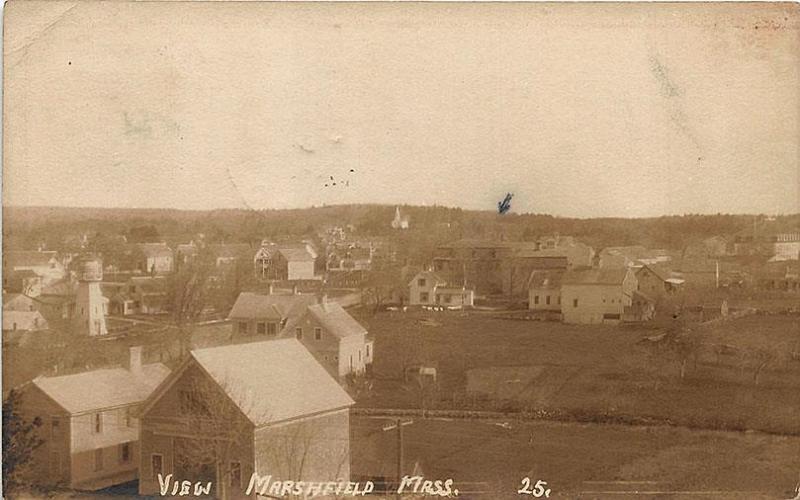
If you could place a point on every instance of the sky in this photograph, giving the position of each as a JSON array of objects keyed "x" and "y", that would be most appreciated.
[{"x": 578, "y": 110}]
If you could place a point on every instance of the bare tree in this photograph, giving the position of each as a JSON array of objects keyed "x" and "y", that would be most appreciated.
[{"x": 187, "y": 295}]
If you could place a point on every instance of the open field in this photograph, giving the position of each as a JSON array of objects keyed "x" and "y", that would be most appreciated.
[
  {"x": 600, "y": 369},
  {"x": 583, "y": 460}
]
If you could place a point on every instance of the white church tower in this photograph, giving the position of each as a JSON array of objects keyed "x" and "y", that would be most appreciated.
[{"x": 89, "y": 314}]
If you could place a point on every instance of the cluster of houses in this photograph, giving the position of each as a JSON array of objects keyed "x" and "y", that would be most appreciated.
[
  {"x": 271, "y": 393},
  {"x": 223, "y": 414}
]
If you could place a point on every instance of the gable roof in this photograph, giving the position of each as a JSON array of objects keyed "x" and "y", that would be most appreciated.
[
  {"x": 661, "y": 271},
  {"x": 295, "y": 254},
  {"x": 603, "y": 276},
  {"x": 336, "y": 320},
  {"x": 272, "y": 381},
  {"x": 251, "y": 305},
  {"x": 29, "y": 258},
  {"x": 546, "y": 279},
  {"x": 105, "y": 388}
]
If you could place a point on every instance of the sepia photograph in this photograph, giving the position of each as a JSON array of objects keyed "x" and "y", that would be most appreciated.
[{"x": 401, "y": 250}]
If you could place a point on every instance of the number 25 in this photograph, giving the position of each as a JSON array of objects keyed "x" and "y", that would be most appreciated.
[{"x": 538, "y": 490}]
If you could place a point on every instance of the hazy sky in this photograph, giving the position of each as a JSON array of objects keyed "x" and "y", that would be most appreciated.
[{"x": 579, "y": 110}]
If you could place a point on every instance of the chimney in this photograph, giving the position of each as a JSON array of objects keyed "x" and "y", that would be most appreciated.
[
  {"x": 134, "y": 362},
  {"x": 294, "y": 289},
  {"x": 270, "y": 290}
]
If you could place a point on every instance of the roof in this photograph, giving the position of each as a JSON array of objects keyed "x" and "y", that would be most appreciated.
[
  {"x": 187, "y": 249},
  {"x": 661, "y": 271},
  {"x": 633, "y": 252},
  {"x": 106, "y": 388},
  {"x": 273, "y": 381},
  {"x": 61, "y": 287},
  {"x": 336, "y": 320},
  {"x": 294, "y": 254},
  {"x": 471, "y": 243},
  {"x": 545, "y": 279},
  {"x": 150, "y": 284},
  {"x": 29, "y": 258},
  {"x": 601, "y": 276},
  {"x": 251, "y": 305},
  {"x": 155, "y": 249}
]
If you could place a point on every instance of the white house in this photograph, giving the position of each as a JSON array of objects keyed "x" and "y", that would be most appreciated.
[
  {"x": 89, "y": 427},
  {"x": 429, "y": 288}
]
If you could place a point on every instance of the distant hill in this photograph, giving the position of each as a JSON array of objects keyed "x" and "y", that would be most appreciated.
[{"x": 28, "y": 227}]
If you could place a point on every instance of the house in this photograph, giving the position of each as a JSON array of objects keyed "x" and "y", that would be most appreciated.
[
  {"x": 285, "y": 262},
  {"x": 784, "y": 276},
  {"x": 141, "y": 295},
  {"x": 31, "y": 321},
  {"x": 228, "y": 412},
  {"x": 44, "y": 264},
  {"x": 429, "y": 288},
  {"x": 503, "y": 267},
  {"x": 642, "y": 308},
  {"x": 228, "y": 254},
  {"x": 578, "y": 254},
  {"x": 335, "y": 338},
  {"x": 399, "y": 221},
  {"x": 657, "y": 280},
  {"x": 156, "y": 258},
  {"x": 267, "y": 314},
  {"x": 23, "y": 281},
  {"x": 21, "y": 313},
  {"x": 186, "y": 253},
  {"x": 596, "y": 295},
  {"x": 544, "y": 290},
  {"x": 90, "y": 433}
]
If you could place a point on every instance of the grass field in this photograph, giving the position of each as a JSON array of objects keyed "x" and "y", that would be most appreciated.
[
  {"x": 594, "y": 368},
  {"x": 583, "y": 460}
]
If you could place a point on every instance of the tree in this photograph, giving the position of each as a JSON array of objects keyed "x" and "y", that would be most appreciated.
[
  {"x": 20, "y": 440},
  {"x": 379, "y": 283},
  {"x": 187, "y": 295}
]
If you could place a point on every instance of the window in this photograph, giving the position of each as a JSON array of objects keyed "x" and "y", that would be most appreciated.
[
  {"x": 125, "y": 453},
  {"x": 298, "y": 332},
  {"x": 242, "y": 327},
  {"x": 261, "y": 328},
  {"x": 272, "y": 329},
  {"x": 559, "y": 300},
  {"x": 421, "y": 282},
  {"x": 156, "y": 465},
  {"x": 547, "y": 300},
  {"x": 535, "y": 299},
  {"x": 317, "y": 333},
  {"x": 128, "y": 417},
  {"x": 423, "y": 296},
  {"x": 236, "y": 474},
  {"x": 447, "y": 299},
  {"x": 367, "y": 350},
  {"x": 98, "y": 459},
  {"x": 574, "y": 302},
  {"x": 351, "y": 362},
  {"x": 359, "y": 355},
  {"x": 98, "y": 423},
  {"x": 55, "y": 425}
]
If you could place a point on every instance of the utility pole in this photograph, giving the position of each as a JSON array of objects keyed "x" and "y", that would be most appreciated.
[{"x": 399, "y": 424}]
